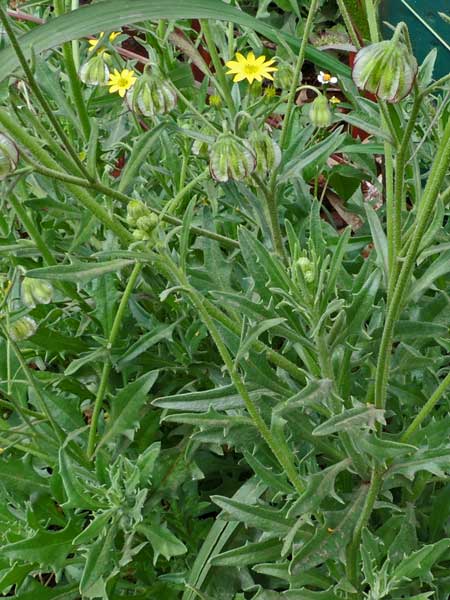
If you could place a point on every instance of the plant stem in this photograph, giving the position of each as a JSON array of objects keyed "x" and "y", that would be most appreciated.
[
  {"x": 426, "y": 409},
  {"x": 285, "y": 459},
  {"x": 23, "y": 138},
  {"x": 272, "y": 209},
  {"x": 218, "y": 66},
  {"x": 285, "y": 132},
  {"x": 400, "y": 164},
  {"x": 107, "y": 365},
  {"x": 26, "y": 371},
  {"x": 372, "y": 19},
  {"x": 352, "y": 555},
  {"x": 349, "y": 24},
  {"x": 39, "y": 95},
  {"x": 430, "y": 195},
  {"x": 74, "y": 81}
]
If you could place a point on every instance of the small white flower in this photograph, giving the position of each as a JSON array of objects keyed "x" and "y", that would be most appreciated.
[{"x": 324, "y": 77}]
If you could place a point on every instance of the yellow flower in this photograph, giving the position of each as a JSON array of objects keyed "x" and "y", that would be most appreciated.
[
  {"x": 334, "y": 100},
  {"x": 121, "y": 82},
  {"x": 93, "y": 43},
  {"x": 250, "y": 68}
]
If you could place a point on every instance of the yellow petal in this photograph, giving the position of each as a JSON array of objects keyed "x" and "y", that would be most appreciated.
[
  {"x": 260, "y": 60},
  {"x": 239, "y": 77},
  {"x": 113, "y": 88},
  {"x": 233, "y": 64},
  {"x": 267, "y": 76},
  {"x": 251, "y": 57},
  {"x": 241, "y": 58},
  {"x": 122, "y": 92}
]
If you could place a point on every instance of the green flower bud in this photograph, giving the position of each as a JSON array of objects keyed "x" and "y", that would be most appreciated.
[
  {"x": 307, "y": 268},
  {"x": 135, "y": 210},
  {"x": 319, "y": 112},
  {"x": 215, "y": 100},
  {"x": 22, "y": 329},
  {"x": 147, "y": 223},
  {"x": 95, "y": 71},
  {"x": 231, "y": 158},
  {"x": 386, "y": 69},
  {"x": 267, "y": 152},
  {"x": 9, "y": 156},
  {"x": 36, "y": 291},
  {"x": 151, "y": 95}
]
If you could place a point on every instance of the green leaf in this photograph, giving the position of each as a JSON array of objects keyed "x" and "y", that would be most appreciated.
[
  {"x": 40, "y": 592},
  {"x": 98, "y": 566},
  {"x": 435, "y": 461},
  {"x": 80, "y": 272},
  {"x": 419, "y": 563},
  {"x": 267, "y": 519},
  {"x": 249, "y": 554},
  {"x": 209, "y": 419},
  {"x": 48, "y": 549},
  {"x": 19, "y": 477},
  {"x": 330, "y": 541},
  {"x": 163, "y": 541},
  {"x": 110, "y": 16},
  {"x": 146, "y": 341},
  {"x": 78, "y": 496},
  {"x": 222, "y": 398},
  {"x": 353, "y": 418},
  {"x": 315, "y": 391},
  {"x": 379, "y": 240},
  {"x": 319, "y": 486},
  {"x": 253, "y": 335},
  {"x": 126, "y": 407}
]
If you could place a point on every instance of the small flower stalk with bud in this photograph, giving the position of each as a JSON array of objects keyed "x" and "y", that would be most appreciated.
[
  {"x": 387, "y": 69},
  {"x": 94, "y": 72},
  {"x": 267, "y": 152},
  {"x": 319, "y": 111},
  {"x": 142, "y": 220},
  {"x": 22, "y": 329}
]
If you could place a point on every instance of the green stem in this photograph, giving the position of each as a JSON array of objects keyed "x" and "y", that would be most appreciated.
[
  {"x": 107, "y": 365},
  {"x": 349, "y": 24},
  {"x": 284, "y": 458},
  {"x": 32, "y": 383},
  {"x": 430, "y": 195},
  {"x": 372, "y": 19},
  {"x": 285, "y": 132},
  {"x": 74, "y": 81},
  {"x": 272, "y": 209},
  {"x": 39, "y": 95},
  {"x": 426, "y": 409},
  {"x": 23, "y": 138},
  {"x": 390, "y": 213},
  {"x": 352, "y": 555},
  {"x": 218, "y": 67},
  {"x": 399, "y": 190}
]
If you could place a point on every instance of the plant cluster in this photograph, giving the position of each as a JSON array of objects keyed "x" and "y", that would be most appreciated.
[{"x": 224, "y": 307}]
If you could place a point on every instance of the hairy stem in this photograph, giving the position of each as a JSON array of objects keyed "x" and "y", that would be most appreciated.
[{"x": 107, "y": 365}]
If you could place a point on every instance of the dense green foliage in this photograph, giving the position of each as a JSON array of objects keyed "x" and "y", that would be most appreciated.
[{"x": 233, "y": 389}]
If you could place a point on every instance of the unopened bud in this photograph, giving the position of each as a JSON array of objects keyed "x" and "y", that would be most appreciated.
[
  {"x": 387, "y": 69},
  {"x": 135, "y": 210},
  {"x": 152, "y": 95},
  {"x": 319, "y": 112},
  {"x": 36, "y": 291},
  {"x": 95, "y": 71},
  {"x": 307, "y": 268},
  {"x": 22, "y": 329},
  {"x": 231, "y": 158},
  {"x": 266, "y": 150}
]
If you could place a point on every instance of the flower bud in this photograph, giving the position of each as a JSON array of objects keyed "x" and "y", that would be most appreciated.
[
  {"x": 319, "y": 112},
  {"x": 9, "y": 156},
  {"x": 231, "y": 158},
  {"x": 135, "y": 210},
  {"x": 386, "y": 69},
  {"x": 215, "y": 100},
  {"x": 147, "y": 223},
  {"x": 95, "y": 71},
  {"x": 151, "y": 95},
  {"x": 266, "y": 150},
  {"x": 307, "y": 268},
  {"x": 284, "y": 76},
  {"x": 22, "y": 329},
  {"x": 36, "y": 291}
]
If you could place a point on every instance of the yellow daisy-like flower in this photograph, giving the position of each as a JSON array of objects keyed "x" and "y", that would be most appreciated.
[
  {"x": 250, "y": 68},
  {"x": 121, "y": 82},
  {"x": 93, "y": 43}
]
